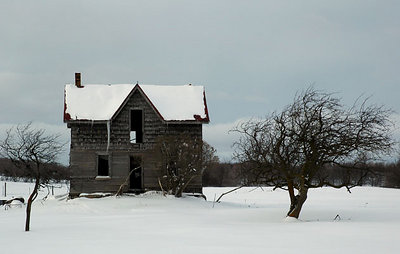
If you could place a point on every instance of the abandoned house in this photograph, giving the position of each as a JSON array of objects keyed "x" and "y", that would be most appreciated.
[{"x": 114, "y": 127}]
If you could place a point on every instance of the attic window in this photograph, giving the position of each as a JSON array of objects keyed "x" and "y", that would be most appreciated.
[
  {"x": 102, "y": 165},
  {"x": 136, "y": 132}
]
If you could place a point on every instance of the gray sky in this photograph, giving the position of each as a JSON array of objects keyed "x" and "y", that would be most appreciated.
[{"x": 252, "y": 56}]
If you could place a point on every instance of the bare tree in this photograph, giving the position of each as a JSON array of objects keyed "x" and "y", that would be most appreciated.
[
  {"x": 31, "y": 149},
  {"x": 291, "y": 149},
  {"x": 183, "y": 158}
]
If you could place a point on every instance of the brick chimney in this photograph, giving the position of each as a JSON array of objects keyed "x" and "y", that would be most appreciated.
[{"x": 78, "y": 80}]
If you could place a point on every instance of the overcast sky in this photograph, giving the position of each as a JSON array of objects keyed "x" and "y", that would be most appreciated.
[{"x": 251, "y": 56}]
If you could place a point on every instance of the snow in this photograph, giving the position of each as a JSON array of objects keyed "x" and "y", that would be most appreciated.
[
  {"x": 95, "y": 102},
  {"x": 177, "y": 102},
  {"x": 100, "y": 102},
  {"x": 250, "y": 220}
]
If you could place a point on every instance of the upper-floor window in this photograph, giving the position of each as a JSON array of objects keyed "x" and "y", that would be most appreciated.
[{"x": 136, "y": 131}]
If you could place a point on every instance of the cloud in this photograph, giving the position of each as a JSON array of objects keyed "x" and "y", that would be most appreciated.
[
  {"x": 251, "y": 57},
  {"x": 222, "y": 138}
]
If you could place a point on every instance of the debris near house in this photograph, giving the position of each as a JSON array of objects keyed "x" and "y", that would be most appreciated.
[
  {"x": 95, "y": 195},
  {"x": 12, "y": 203}
]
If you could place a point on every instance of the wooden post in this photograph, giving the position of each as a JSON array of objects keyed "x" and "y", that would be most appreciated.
[{"x": 5, "y": 189}]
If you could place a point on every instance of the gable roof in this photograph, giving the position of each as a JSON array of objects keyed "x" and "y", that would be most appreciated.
[{"x": 102, "y": 102}]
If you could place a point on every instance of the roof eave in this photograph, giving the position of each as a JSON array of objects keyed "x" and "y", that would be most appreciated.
[
  {"x": 207, "y": 118},
  {"x": 85, "y": 121},
  {"x": 66, "y": 116},
  {"x": 185, "y": 122}
]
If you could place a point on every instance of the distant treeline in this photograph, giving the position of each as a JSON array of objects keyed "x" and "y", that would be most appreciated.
[
  {"x": 222, "y": 175},
  {"x": 225, "y": 174},
  {"x": 381, "y": 175},
  {"x": 55, "y": 172}
]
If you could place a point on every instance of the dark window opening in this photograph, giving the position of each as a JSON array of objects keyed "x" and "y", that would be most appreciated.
[
  {"x": 135, "y": 180},
  {"x": 103, "y": 166},
  {"x": 136, "y": 133}
]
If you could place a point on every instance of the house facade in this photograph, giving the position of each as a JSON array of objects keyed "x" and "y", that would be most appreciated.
[{"x": 114, "y": 128}]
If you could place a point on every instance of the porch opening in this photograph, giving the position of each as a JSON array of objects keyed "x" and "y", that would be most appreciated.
[{"x": 136, "y": 178}]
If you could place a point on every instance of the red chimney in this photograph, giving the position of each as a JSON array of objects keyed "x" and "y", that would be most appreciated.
[{"x": 78, "y": 80}]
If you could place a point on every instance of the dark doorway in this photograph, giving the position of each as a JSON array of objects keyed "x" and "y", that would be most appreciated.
[{"x": 135, "y": 182}]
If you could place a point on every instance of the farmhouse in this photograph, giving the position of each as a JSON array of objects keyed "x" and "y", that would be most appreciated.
[{"x": 114, "y": 127}]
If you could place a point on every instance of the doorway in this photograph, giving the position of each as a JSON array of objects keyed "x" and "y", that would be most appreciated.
[{"x": 135, "y": 180}]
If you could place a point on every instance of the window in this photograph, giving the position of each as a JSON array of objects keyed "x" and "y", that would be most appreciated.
[
  {"x": 132, "y": 137},
  {"x": 136, "y": 132},
  {"x": 103, "y": 165}
]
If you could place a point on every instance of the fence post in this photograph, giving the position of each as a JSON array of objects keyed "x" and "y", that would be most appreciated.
[{"x": 5, "y": 189}]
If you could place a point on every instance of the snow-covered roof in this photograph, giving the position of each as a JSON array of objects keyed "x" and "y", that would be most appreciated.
[
  {"x": 101, "y": 102},
  {"x": 94, "y": 102},
  {"x": 177, "y": 102}
]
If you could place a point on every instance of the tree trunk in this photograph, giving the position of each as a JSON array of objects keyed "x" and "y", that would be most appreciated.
[
  {"x": 125, "y": 183},
  {"x": 291, "y": 195},
  {"x": 32, "y": 197},
  {"x": 182, "y": 186},
  {"x": 296, "y": 203}
]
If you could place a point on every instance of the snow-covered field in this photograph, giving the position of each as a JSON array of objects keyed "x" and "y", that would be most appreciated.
[{"x": 247, "y": 221}]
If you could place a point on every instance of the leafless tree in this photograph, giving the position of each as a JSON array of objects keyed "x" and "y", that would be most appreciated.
[
  {"x": 291, "y": 149},
  {"x": 31, "y": 149},
  {"x": 183, "y": 158}
]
